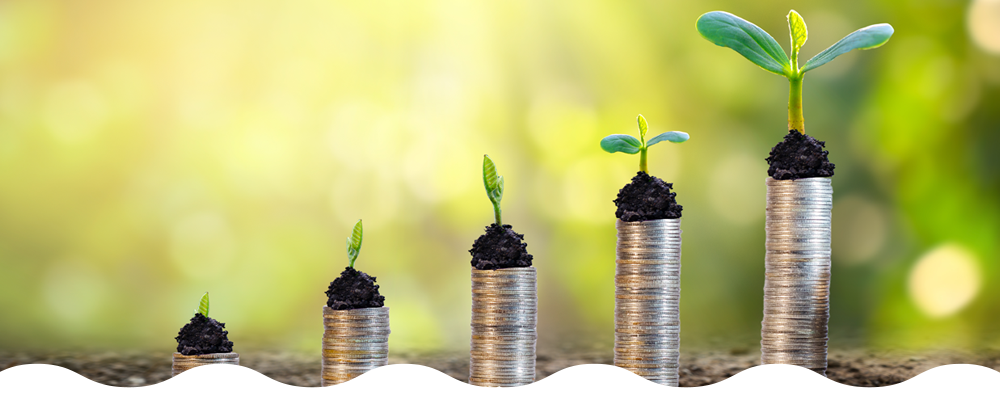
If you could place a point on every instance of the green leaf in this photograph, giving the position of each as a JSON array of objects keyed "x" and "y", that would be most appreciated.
[
  {"x": 865, "y": 38},
  {"x": 643, "y": 127},
  {"x": 203, "y": 305},
  {"x": 489, "y": 176},
  {"x": 622, "y": 143},
  {"x": 498, "y": 193},
  {"x": 673, "y": 136},
  {"x": 727, "y": 30},
  {"x": 357, "y": 236},
  {"x": 797, "y": 30},
  {"x": 354, "y": 243}
]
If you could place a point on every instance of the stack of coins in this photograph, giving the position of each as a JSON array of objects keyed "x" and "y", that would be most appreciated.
[
  {"x": 797, "y": 276},
  {"x": 354, "y": 342},
  {"x": 504, "y": 314},
  {"x": 207, "y": 370},
  {"x": 647, "y": 299}
]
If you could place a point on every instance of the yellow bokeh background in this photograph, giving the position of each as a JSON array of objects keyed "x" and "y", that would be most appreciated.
[{"x": 152, "y": 151}]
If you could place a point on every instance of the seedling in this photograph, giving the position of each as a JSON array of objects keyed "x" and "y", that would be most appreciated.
[
  {"x": 494, "y": 186},
  {"x": 203, "y": 306},
  {"x": 630, "y": 145},
  {"x": 354, "y": 244},
  {"x": 727, "y": 30}
]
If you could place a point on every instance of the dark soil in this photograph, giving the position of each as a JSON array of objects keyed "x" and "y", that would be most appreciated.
[
  {"x": 203, "y": 335},
  {"x": 850, "y": 367},
  {"x": 647, "y": 198},
  {"x": 799, "y": 156},
  {"x": 353, "y": 289},
  {"x": 500, "y": 247}
]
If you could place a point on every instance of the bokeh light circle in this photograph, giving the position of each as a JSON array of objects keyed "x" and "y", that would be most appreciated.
[
  {"x": 983, "y": 21},
  {"x": 944, "y": 280}
]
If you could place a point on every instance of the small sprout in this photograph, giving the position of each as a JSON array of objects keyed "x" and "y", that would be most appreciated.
[
  {"x": 494, "y": 186},
  {"x": 630, "y": 145},
  {"x": 203, "y": 306},
  {"x": 727, "y": 30},
  {"x": 354, "y": 244}
]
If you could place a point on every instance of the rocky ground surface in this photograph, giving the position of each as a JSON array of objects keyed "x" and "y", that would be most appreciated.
[{"x": 852, "y": 367}]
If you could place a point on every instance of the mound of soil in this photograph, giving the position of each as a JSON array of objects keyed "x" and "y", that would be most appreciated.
[
  {"x": 647, "y": 198},
  {"x": 353, "y": 289},
  {"x": 500, "y": 247},
  {"x": 799, "y": 156},
  {"x": 203, "y": 335}
]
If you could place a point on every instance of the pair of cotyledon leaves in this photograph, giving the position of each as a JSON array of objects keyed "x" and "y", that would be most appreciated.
[
  {"x": 631, "y": 145},
  {"x": 727, "y": 30}
]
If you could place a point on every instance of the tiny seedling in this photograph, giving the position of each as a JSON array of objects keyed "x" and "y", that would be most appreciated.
[
  {"x": 354, "y": 244},
  {"x": 727, "y": 30},
  {"x": 203, "y": 306},
  {"x": 631, "y": 145},
  {"x": 494, "y": 186}
]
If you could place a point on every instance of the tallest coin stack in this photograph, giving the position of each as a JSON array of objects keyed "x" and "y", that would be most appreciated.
[
  {"x": 647, "y": 299},
  {"x": 797, "y": 273}
]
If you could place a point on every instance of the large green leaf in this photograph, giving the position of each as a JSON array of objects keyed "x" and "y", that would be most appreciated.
[
  {"x": 673, "y": 136},
  {"x": 865, "y": 38},
  {"x": 622, "y": 143},
  {"x": 797, "y": 30},
  {"x": 203, "y": 305},
  {"x": 727, "y": 30}
]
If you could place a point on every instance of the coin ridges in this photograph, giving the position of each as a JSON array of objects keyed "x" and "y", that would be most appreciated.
[
  {"x": 504, "y": 319},
  {"x": 354, "y": 342},
  {"x": 647, "y": 299},
  {"x": 797, "y": 273},
  {"x": 206, "y": 370}
]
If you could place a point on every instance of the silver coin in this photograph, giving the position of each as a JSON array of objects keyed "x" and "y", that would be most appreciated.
[
  {"x": 797, "y": 272},
  {"x": 647, "y": 297},
  {"x": 354, "y": 342},
  {"x": 504, "y": 318},
  {"x": 206, "y": 370}
]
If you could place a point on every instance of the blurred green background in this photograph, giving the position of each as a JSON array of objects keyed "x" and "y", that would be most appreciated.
[{"x": 152, "y": 151}]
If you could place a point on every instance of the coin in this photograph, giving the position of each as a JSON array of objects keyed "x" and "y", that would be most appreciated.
[
  {"x": 504, "y": 318},
  {"x": 206, "y": 370},
  {"x": 647, "y": 299},
  {"x": 797, "y": 273},
  {"x": 354, "y": 342}
]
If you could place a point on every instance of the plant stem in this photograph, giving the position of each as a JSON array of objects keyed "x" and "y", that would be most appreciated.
[
  {"x": 795, "y": 119},
  {"x": 496, "y": 214},
  {"x": 642, "y": 160}
]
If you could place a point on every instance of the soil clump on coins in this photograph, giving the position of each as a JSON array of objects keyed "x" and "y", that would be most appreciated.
[
  {"x": 647, "y": 198},
  {"x": 799, "y": 156},
  {"x": 203, "y": 335},
  {"x": 353, "y": 289},
  {"x": 500, "y": 247}
]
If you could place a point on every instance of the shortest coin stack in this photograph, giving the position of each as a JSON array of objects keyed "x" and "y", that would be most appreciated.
[
  {"x": 647, "y": 299},
  {"x": 207, "y": 370},
  {"x": 504, "y": 315},
  {"x": 354, "y": 342}
]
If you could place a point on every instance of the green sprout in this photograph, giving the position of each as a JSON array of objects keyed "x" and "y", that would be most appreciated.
[
  {"x": 631, "y": 145},
  {"x": 354, "y": 244},
  {"x": 727, "y": 30},
  {"x": 494, "y": 186},
  {"x": 203, "y": 306}
]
